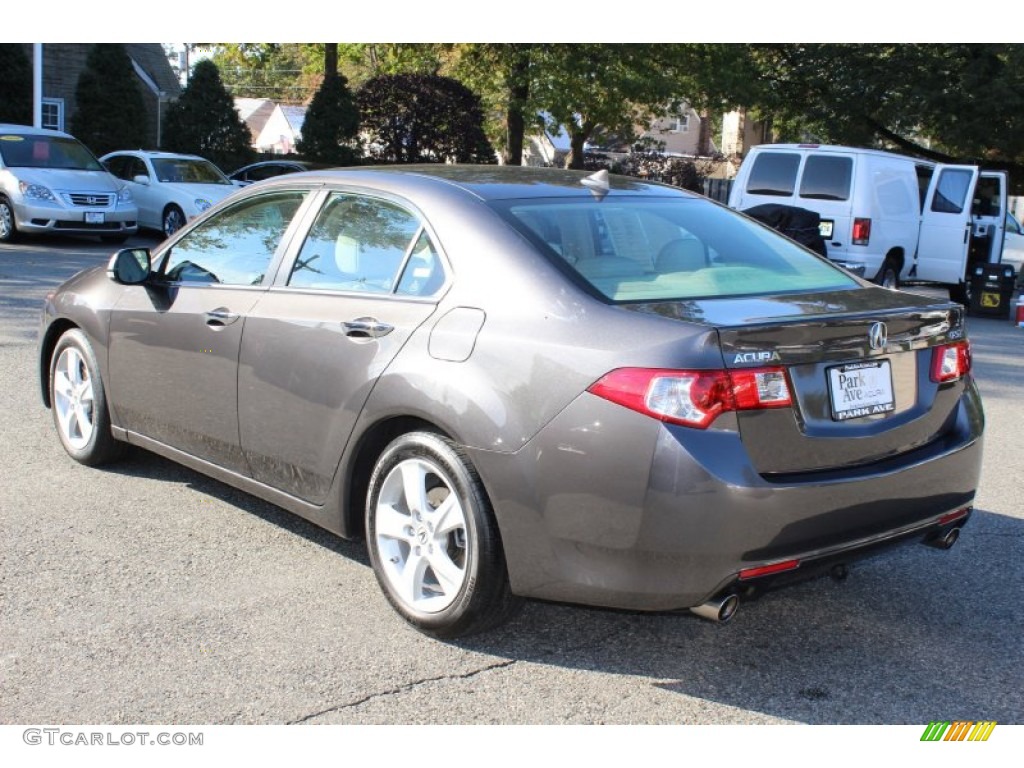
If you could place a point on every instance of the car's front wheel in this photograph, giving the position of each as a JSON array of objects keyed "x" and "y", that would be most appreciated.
[
  {"x": 174, "y": 219},
  {"x": 8, "y": 227},
  {"x": 79, "y": 403},
  {"x": 433, "y": 540}
]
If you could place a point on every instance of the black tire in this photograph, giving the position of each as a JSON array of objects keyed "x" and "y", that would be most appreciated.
[
  {"x": 173, "y": 220},
  {"x": 889, "y": 275},
  {"x": 78, "y": 402},
  {"x": 8, "y": 225},
  {"x": 961, "y": 293},
  {"x": 459, "y": 584}
]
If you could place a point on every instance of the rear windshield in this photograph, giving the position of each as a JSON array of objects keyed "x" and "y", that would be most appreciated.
[
  {"x": 774, "y": 173},
  {"x": 648, "y": 249},
  {"x": 826, "y": 177},
  {"x": 28, "y": 151}
]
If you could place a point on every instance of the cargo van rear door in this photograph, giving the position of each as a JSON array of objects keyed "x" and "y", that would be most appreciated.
[{"x": 946, "y": 224}]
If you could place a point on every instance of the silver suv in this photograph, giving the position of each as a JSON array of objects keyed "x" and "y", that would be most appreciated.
[{"x": 50, "y": 182}]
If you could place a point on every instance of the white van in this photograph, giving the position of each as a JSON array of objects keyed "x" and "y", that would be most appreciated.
[{"x": 884, "y": 216}]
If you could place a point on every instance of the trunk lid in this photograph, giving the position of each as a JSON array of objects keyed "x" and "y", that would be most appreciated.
[{"x": 858, "y": 365}]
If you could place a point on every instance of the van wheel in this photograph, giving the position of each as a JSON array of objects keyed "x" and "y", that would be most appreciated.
[
  {"x": 889, "y": 275},
  {"x": 961, "y": 293}
]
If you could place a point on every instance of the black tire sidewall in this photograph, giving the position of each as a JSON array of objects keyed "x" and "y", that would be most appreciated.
[
  {"x": 458, "y": 617},
  {"x": 101, "y": 445},
  {"x": 13, "y": 234}
]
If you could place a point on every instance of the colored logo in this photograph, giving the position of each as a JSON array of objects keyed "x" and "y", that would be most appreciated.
[
  {"x": 990, "y": 300},
  {"x": 958, "y": 730}
]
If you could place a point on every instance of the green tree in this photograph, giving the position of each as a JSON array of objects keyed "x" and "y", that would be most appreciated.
[
  {"x": 15, "y": 85},
  {"x": 332, "y": 120},
  {"x": 110, "y": 113},
  {"x": 423, "y": 118},
  {"x": 203, "y": 121}
]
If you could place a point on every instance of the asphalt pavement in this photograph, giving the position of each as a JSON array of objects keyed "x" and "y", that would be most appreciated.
[{"x": 147, "y": 593}]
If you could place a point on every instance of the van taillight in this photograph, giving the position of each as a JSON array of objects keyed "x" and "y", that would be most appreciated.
[{"x": 861, "y": 231}]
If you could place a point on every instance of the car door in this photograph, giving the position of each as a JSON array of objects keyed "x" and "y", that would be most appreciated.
[
  {"x": 946, "y": 224},
  {"x": 174, "y": 343},
  {"x": 366, "y": 276}
]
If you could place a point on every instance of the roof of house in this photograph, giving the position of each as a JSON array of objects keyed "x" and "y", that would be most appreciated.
[{"x": 152, "y": 59}]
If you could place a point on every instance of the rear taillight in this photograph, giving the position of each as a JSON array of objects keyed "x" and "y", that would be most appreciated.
[
  {"x": 861, "y": 231},
  {"x": 951, "y": 362},
  {"x": 694, "y": 398}
]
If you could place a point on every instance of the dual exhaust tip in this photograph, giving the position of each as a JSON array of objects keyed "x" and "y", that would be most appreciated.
[{"x": 723, "y": 608}]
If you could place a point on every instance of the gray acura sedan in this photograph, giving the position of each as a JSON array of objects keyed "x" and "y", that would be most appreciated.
[{"x": 528, "y": 383}]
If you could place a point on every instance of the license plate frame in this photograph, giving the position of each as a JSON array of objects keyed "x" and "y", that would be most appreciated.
[{"x": 859, "y": 390}]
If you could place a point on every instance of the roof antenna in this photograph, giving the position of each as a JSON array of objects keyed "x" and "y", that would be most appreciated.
[{"x": 597, "y": 183}]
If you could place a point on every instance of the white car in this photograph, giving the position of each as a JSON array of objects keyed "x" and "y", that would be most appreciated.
[
  {"x": 1013, "y": 245},
  {"x": 169, "y": 189}
]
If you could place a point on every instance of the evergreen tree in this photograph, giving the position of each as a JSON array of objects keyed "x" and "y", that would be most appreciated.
[
  {"x": 15, "y": 85},
  {"x": 331, "y": 124},
  {"x": 203, "y": 121},
  {"x": 414, "y": 118},
  {"x": 110, "y": 113}
]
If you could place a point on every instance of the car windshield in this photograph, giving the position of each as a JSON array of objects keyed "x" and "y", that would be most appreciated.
[
  {"x": 35, "y": 151},
  {"x": 647, "y": 249},
  {"x": 182, "y": 170}
]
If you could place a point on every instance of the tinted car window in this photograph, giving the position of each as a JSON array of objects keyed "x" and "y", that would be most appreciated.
[
  {"x": 826, "y": 177},
  {"x": 660, "y": 250},
  {"x": 236, "y": 246},
  {"x": 118, "y": 166},
  {"x": 19, "y": 151},
  {"x": 356, "y": 244},
  {"x": 774, "y": 173},
  {"x": 181, "y": 170}
]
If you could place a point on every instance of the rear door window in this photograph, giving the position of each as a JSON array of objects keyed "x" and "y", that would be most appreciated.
[
  {"x": 826, "y": 177},
  {"x": 774, "y": 173}
]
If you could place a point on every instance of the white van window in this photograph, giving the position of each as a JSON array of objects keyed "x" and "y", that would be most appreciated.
[
  {"x": 951, "y": 191},
  {"x": 827, "y": 177},
  {"x": 774, "y": 173}
]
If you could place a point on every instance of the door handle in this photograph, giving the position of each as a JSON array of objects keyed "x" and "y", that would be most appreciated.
[
  {"x": 366, "y": 328},
  {"x": 220, "y": 317}
]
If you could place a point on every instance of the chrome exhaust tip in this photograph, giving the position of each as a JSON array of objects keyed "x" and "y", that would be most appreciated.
[
  {"x": 720, "y": 609},
  {"x": 946, "y": 540}
]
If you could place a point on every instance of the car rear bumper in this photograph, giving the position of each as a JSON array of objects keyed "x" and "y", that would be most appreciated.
[{"x": 613, "y": 508}]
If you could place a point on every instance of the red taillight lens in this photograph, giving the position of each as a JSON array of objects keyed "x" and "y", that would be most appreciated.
[
  {"x": 768, "y": 570},
  {"x": 951, "y": 361},
  {"x": 861, "y": 231},
  {"x": 694, "y": 398}
]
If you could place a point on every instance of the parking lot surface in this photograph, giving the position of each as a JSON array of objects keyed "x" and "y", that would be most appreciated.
[{"x": 144, "y": 592}]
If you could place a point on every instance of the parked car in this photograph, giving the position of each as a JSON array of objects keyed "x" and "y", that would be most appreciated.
[
  {"x": 884, "y": 216},
  {"x": 170, "y": 189},
  {"x": 528, "y": 383},
  {"x": 1013, "y": 245},
  {"x": 267, "y": 169},
  {"x": 50, "y": 182}
]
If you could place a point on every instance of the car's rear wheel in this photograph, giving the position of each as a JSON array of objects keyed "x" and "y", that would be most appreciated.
[
  {"x": 78, "y": 401},
  {"x": 174, "y": 219},
  {"x": 433, "y": 539},
  {"x": 8, "y": 227}
]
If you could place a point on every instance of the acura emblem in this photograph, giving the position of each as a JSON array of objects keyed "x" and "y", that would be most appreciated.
[{"x": 878, "y": 336}]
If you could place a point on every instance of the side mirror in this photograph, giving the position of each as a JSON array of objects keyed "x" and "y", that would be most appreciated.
[
  {"x": 141, "y": 179},
  {"x": 130, "y": 266}
]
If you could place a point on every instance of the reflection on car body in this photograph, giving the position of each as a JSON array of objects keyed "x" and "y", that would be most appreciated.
[{"x": 514, "y": 384}]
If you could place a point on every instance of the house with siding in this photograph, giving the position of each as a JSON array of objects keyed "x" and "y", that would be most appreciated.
[{"x": 64, "y": 62}]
